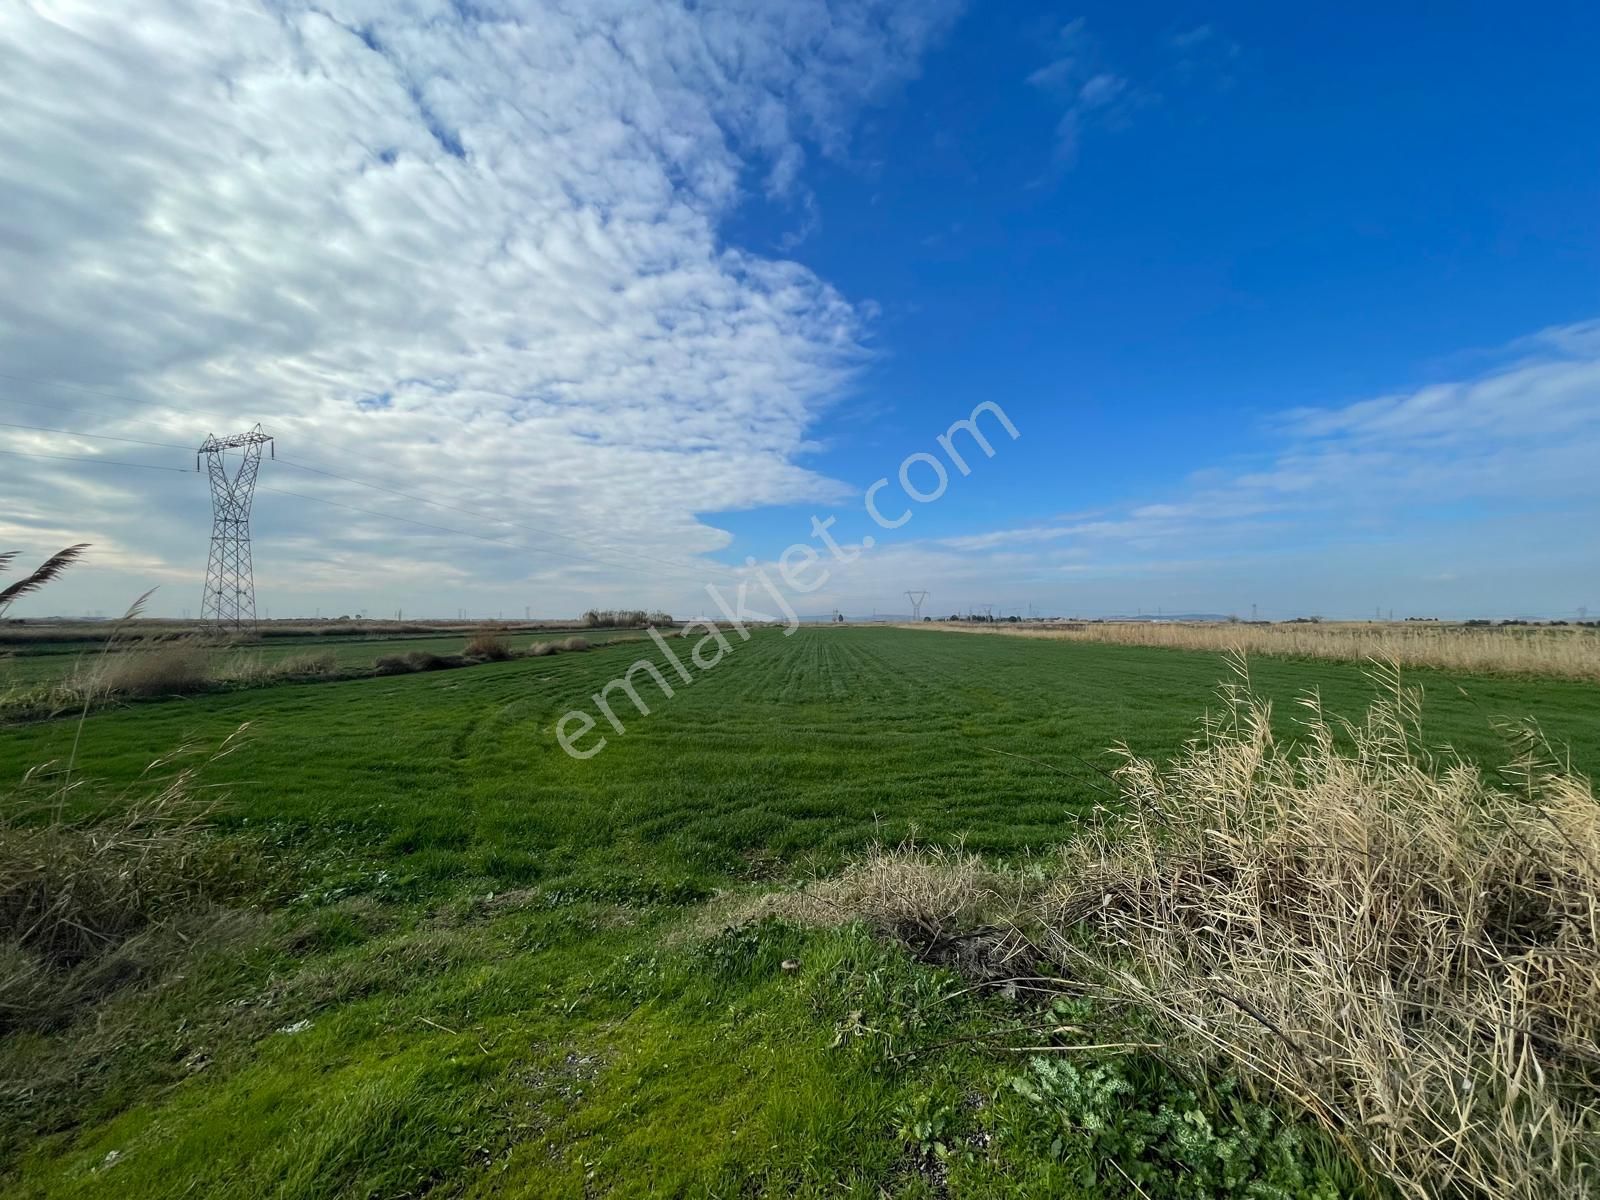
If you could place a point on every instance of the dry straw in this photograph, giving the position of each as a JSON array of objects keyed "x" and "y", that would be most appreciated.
[{"x": 1403, "y": 946}]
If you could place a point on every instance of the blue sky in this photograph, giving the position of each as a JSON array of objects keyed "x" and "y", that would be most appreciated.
[
  {"x": 1291, "y": 308},
  {"x": 1285, "y": 208}
]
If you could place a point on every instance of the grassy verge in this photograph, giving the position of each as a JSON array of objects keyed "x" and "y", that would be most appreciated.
[{"x": 125, "y": 673}]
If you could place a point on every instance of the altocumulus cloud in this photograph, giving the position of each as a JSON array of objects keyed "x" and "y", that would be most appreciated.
[{"x": 480, "y": 241}]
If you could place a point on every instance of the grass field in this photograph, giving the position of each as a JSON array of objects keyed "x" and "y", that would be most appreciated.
[{"x": 489, "y": 938}]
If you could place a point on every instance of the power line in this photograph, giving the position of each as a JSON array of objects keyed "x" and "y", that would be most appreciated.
[
  {"x": 443, "y": 528},
  {"x": 677, "y": 566},
  {"x": 102, "y": 462},
  {"x": 99, "y": 437},
  {"x": 78, "y": 387},
  {"x": 379, "y": 487},
  {"x": 371, "y": 512}
]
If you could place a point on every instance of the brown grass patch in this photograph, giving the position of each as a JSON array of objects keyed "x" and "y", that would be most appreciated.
[
  {"x": 489, "y": 646},
  {"x": 1563, "y": 651},
  {"x": 416, "y": 660}
]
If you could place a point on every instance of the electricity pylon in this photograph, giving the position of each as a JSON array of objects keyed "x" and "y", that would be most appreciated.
[
  {"x": 916, "y": 599},
  {"x": 230, "y": 597}
]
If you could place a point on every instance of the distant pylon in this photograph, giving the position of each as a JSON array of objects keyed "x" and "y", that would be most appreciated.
[
  {"x": 916, "y": 599},
  {"x": 230, "y": 596}
]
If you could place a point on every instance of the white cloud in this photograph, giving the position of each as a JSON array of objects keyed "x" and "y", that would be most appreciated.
[
  {"x": 481, "y": 245},
  {"x": 1086, "y": 91}
]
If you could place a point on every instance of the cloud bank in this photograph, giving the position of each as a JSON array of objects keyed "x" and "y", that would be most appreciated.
[{"x": 470, "y": 250}]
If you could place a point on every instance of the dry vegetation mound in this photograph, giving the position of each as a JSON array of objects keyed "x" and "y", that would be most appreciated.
[
  {"x": 1404, "y": 948},
  {"x": 491, "y": 647}
]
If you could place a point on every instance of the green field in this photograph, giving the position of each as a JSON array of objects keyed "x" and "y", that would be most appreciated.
[{"x": 489, "y": 937}]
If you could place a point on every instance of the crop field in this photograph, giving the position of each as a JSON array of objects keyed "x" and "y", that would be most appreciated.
[{"x": 457, "y": 961}]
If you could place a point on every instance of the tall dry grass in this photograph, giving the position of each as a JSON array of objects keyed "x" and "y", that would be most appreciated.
[
  {"x": 172, "y": 669},
  {"x": 1567, "y": 652},
  {"x": 1405, "y": 948},
  {"x": 181, "y": 667},
  {"x": 90, "y": 902},
  {"x": 492, "y": 647},
  {"x": 96, "y": 895}
]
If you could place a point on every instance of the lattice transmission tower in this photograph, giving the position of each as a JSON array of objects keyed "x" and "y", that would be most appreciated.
[
  {"x": 916, "y": 599},
  {"x": 230, "y": 597}
]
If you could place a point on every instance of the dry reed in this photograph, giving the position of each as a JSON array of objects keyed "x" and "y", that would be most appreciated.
[
  {"x": 170, "y": 669},
  {"x": 1402, "y": 946},
  {"x": 490, "y": 647},
  {"x": 1567, "y": 652},
  {"x": 80, "y": 896}
]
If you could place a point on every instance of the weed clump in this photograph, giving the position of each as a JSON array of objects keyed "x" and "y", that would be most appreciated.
[
  {"x": 90, "y": 904},
  {"x": 491, "y": 647},
  {"x": 414, "y": 661},
  {"x": 255, "y": 670},
  {"x": 575, "y": 643}
]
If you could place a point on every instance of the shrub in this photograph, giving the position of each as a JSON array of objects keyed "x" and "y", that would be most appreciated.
[
  {"x": 415, "y": 660},
  {"x": 253, "y": 669},
  {"x": 489, "y": 646},
  {"x": 575, "y": 643},
  {"x": 541, "y": 649}
]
